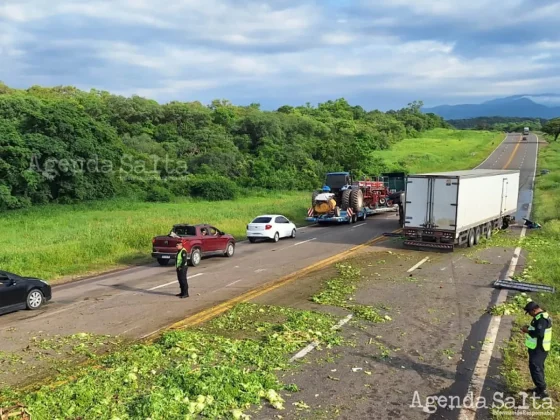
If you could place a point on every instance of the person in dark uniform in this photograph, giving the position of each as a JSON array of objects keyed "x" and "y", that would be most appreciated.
[
  {"x": 538, "y": 337},
  {"x": 181, "y": 265}
]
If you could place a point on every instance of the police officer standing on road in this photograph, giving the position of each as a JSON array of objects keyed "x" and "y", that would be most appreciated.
[
  {"x": 537, "y": 339},
  {"x": 181, "y": 265}
]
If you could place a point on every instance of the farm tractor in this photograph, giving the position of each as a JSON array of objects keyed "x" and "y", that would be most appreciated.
[{"x": 343, "y": 200}]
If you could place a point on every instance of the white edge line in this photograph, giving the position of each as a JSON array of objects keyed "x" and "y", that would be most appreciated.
[
  {"x": 296, "y": 244},
  {"x": 174, "y": 281},
  {"x": 483, "y": 362},
  {"x": 493, "y": 151},
  {"x": 150, "y": 333},
  {"x": 130, "y": 329},
  {"x": 233, "y": 282},
  {"x": 302, "y": 242},
  {"x": 314, "y": 344},
  {"x": 418, "y": 264},
  {"x": 361, "y": 224}
]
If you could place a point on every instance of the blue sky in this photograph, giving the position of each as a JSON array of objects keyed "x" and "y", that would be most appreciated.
[{"x": 378, "y": 54}]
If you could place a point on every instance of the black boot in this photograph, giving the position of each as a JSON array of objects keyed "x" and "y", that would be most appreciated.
[{"x": 542, "y": 394}]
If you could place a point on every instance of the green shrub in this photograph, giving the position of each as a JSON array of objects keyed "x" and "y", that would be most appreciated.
[
  {"x": 157, "y": 193},
  {"x": 214, "y": 189},
  {"x": 180, "y": 188}
]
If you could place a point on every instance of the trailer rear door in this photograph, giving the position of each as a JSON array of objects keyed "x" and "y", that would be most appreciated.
[
  {"x": 431, "y": 203},
  {"x": 416, "y": 205},
  {"x": 444, "y": 203}
]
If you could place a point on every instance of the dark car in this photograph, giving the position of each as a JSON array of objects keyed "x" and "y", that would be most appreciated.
[{"x": 18, "y": 292}]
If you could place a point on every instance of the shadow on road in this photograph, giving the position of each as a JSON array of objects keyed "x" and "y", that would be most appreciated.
[{"x": 126, "y": 288}]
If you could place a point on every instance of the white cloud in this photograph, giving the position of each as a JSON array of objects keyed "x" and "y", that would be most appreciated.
[
  {"x": 338, "y": 38},
  {"x": 189, "y": 47}
]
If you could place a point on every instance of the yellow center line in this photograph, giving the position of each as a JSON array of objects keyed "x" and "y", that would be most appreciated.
[
  {"x": 513, "y": 153},
  {"x": 214, "y": 311}
]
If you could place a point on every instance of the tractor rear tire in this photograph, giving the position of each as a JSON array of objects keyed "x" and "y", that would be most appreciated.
[
  {"x": 357, "y": 200},
  {"x": 345, "y": 200},
  {"x": 313, "y": 197}
]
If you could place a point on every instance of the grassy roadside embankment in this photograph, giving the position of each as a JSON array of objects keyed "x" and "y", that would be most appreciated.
[
  {"x": 543, "y": 266},
  {"x": 441, "y": 150},
  {"x": 53, "y": 241}
]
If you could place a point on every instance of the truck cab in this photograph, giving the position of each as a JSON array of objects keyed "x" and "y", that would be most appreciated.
[{"x": 526, "y": 131}]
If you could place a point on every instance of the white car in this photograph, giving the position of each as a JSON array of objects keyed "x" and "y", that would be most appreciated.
[{"x": 270, "y": 226}]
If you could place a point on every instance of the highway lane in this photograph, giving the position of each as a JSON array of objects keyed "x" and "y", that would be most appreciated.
[
  {"x": 140, "y": 300},
  {"x": 514, "y": 153}
]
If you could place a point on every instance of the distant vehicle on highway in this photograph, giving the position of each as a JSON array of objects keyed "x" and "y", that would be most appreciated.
[
  {"x": 199, "y": 241},
  {"x": 524, "y": 138},
  {"x": 270, "y": 226},
  {"x": 526, "y": 131},
  {"x": 18, "y": 292}
]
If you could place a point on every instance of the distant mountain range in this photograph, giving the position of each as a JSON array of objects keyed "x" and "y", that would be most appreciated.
[{"x": 512, "y": 106}]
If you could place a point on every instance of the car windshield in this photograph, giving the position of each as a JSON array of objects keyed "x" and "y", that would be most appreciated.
[
  {"x": 184, "y": 230},
  {"x": 262, "y": 220}
]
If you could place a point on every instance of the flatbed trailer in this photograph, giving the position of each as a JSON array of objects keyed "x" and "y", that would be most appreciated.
[
  {"x": 346, "y": 216},
  {"x": 370, "y": 212}
]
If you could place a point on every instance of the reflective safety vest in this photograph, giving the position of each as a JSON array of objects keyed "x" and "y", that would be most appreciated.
[
  {"x": 531, "y": 342},
  {"x": 179, "y": 259}
]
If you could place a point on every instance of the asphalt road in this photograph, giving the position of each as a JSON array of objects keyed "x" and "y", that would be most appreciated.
[
  {"x": 140, "y": 300},
  {"x": 514, "y": 153}
]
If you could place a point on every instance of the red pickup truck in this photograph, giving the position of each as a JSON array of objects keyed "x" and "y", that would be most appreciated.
[{"x": 198, "y": 240}]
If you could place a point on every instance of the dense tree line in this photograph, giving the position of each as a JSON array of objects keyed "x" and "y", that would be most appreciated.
[
  {"x": 509, "y": 124},
  {"x": 65, "y": 145}
]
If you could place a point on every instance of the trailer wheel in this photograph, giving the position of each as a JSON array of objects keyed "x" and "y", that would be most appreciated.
[
  {"x": 477, "y": 235},
  {"x": 345, "y": 200},
  {"x": 470, "y": 240},
  {"x": 488, "y": 230}
]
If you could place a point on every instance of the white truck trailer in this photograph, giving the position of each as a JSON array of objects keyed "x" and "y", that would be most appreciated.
[{"x": 447, "y": 209}]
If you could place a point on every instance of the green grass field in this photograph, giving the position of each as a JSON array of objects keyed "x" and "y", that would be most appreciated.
[
  {"x": 543, "y": 267},
  {"x": 441, "y": 150},
  {"x": 54, "y": 242}
]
